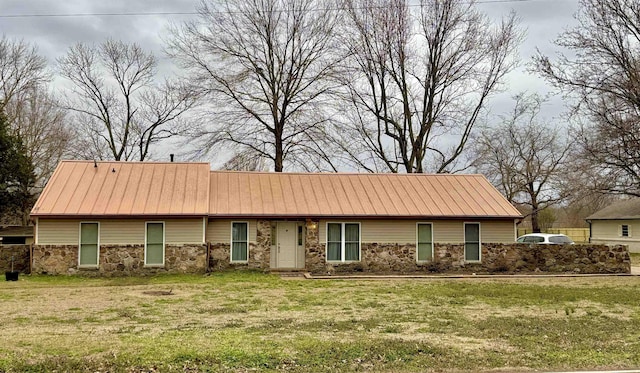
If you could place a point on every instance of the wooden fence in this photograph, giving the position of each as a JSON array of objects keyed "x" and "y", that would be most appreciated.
[{"x": 578, "y": 235}]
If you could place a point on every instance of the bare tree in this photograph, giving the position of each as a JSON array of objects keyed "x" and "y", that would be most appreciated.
[
  {"x": 21, "y": 69},
  {"x": 524, "y": 157},
  {"x": 32, "y": 117},
  {"x": 41, "y": 124},
  {"x": 602, "y": 74},
  {"x": 418, "y": 82},
  {"x": 265, "y": 67},
  {"x": 120, "y": 109}
]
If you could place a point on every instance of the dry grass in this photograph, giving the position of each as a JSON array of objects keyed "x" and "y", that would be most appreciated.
[{"x": 250, "y": 321}]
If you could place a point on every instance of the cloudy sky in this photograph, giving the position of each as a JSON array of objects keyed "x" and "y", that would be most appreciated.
[{"x": 55, "y": 25}]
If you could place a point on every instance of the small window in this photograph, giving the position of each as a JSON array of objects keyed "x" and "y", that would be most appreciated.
[
  {"x": 300, "y": 235},
  {"x": 13, "y": 240},
  {"x": 239, "y": 242},
  {"x": 624, "y": 230},
  {"x": 472, "y": 242},
  {"x": 343, "y": 242},
  {"x": 154, "y": 245},
  {"x": 425, "y": 242},
  {"x": 562, "y": 240},
  {"x": 88, "y": 254},
  {"x": 274, "y": 234}
]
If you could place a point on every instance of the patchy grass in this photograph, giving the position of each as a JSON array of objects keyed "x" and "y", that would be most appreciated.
[{"x": 250, "y": 321}]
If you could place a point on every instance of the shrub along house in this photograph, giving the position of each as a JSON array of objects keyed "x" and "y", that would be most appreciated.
[{"x": 128, "y": 217}]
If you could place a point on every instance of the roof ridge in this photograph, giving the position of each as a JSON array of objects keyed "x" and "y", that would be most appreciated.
[{"x": 341, "y": 173}]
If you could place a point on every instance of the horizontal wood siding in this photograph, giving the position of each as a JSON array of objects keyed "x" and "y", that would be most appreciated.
[
  {"x": 219, "y": 230},
  {"x": 122, "y": 232},
  {"x": 119, "y": 231},
  {"x": 610, "y": 229},
  {"x": 58, "y": 232},
  {"x": 498, "y": 231},
  {"x": 444, "y": 231},
  {"x": 184, "y": 231}
]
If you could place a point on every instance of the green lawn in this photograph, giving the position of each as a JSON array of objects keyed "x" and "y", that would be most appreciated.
[{"x": 250, "y": 321}]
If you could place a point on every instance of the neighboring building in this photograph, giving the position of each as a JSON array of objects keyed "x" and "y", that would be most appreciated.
[
  {"x": 16, "y": 235},
  {"x": 617, "y": 224},
  {"x": 133, "y": 217}
]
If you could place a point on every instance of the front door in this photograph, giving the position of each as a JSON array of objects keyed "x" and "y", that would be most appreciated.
[{"x": 286, "y": 247}]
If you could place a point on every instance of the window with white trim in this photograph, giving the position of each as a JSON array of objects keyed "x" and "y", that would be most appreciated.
[
  {"x": 154, "y": 244},
  {"x": 472, "y": 245},
  {"x": 625, "y": 230},
  {"x": 239, "y": 241},
  {"x": 88, "y": 253},
  {"x": 343, "y": 242},
  {"x": 424, "y": 247}
]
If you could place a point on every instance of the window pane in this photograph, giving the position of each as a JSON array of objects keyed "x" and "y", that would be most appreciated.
[
  {"x": 425, "y": 251},
  {"x": 334, "y": 232},
  {"x": 351, "y": 251},
  {"x": 88, "y": 254},
  {"x": 333, "y": 251},
  {"x": 89, "y": 244},
  {"x": 274, "y": 234},
  {"x": 155, "y": 244},
  {"x": 472, "y": 233},
  {"x": 239, "y": 232},
  {"x": 424, "y": 233},
  {"x": 154, "y": 254},
  {"x": 239, "y": 251},
  {"x": 89, "y": 233},
  {"x": 472, "y": 242},
  {"x": 154, "y": 233},
  {"x": 472, "y": 251},
  {"x": 352, "y": 232}
]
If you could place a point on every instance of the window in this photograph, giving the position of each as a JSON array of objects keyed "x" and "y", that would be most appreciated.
[
  {"x": 625, "y": 231},
  {"x": 425, "y": 242},
  {"x": 239, "y": 241},
  {"x": 343, "y": 242},
  {"x": 154, "y": 245},
  {"x": 299, "y": 235},
  {"x": 88, "y": 254},
  {"x": 472, "y": 242}
]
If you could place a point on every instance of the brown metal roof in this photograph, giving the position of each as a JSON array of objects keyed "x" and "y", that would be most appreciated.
[
  {"x": 247, "y": 194},
  {"x": 625, "y": 209},
  {"x": 78, "y": 188}
]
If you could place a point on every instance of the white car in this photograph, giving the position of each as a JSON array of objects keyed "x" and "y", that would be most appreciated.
[{"x": 545, "y": 239}]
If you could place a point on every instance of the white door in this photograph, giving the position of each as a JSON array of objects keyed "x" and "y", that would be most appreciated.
[{"x": 287, "y": 242}]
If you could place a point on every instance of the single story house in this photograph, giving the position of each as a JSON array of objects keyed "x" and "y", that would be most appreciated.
[
  {"x": 16, "y": 235},
  {"x": 134, "y": 217},
  {"x": 617, "y": 224}
]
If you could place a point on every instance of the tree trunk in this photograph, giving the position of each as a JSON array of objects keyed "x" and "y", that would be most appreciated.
[{"x": 279, "y": 154}]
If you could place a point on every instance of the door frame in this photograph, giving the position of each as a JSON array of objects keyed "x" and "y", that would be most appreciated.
[{"x": 294, "y": 225}]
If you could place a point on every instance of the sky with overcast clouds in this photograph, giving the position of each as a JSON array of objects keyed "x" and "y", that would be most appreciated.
[{"x": 543, "y": 20}]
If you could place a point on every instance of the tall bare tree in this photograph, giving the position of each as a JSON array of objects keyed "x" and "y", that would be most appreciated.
[
  {"x": 602, "y": 74},
  {"x": 41, "y": 124},
  {"x": 120, "y": 108},
  {"x": 32, "y": 116},
  {"x": 418, "y": 81},
  {"x": 265, "y": 67},
  {"x": 525, "y": 158},
  {"x": 21, "y": 69}
]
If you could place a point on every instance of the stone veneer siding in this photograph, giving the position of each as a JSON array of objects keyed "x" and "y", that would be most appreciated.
[
  {"x": 20, "y": 254},
  {"x": 496, "y": 258},
  {"x": 123, "y": 260}
]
